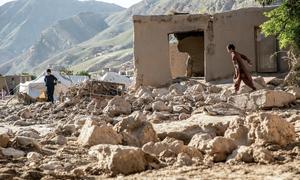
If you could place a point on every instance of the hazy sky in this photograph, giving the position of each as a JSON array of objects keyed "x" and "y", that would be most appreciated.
[{"x": 124, "y": 3}]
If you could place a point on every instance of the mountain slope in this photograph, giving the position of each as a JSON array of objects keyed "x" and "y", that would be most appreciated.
[
  {"x": 63, "y": 35},
  {"x": 23, "y": 21},
  {"x": 99, "y": 51}
]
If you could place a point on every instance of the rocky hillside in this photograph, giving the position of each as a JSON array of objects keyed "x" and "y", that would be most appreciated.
[
  {"x": 23, "y": 21},
  {"x": 113, "y": 45},
  {"x": 63, "y": 35}
]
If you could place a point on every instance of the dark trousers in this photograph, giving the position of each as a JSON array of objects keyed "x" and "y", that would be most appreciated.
[
  {"x": 50, "y": 92},
  {"x": 247, "y": 80}
]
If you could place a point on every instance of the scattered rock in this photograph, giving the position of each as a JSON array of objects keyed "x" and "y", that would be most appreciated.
[
  {"x": 11, "y": 152},
  {"x": 183, "y": 116},
  {"x": 171, "y": 147},
  {"x": 159, "y": 106},
  {"x": 276, "y": 82},
  {"x": 238, "y": 132},
  {"x": 183, "y": 160},
  {"x": 26, "y": 143},
  {"x": 60, "y": 140},
  {"x": 25, "y": 114},
  {"x": 34, "y": 157},
  {"x": 31, "y": 133},
  {"x": 223, "y": 109},
  {"x": 220, "y": 148},
  {"x": 184, "y": 130},
  {"x": 201, "y": 140},
  {"x": 195, "y": 90},
  {"x": 52, "y": 166},
  {"x": 268, "y": 99},
  {"x": 242, "y": 154},
  {"x": 117, "y": 106},
  {"x": 136, "y": 131},
  {"x": 94, "y": 133},
  {"x": 263, "y": 99},
  {"x": 4, "y": 140},
  {"x": 270, "y": 128},
  {"x": 262, "y": 155},
  {"x": 181, "y": 109},
  {"x": 214, "y": 89},
  {"x": 295, "y": 91},
  {"x": 119, "y": 159}
]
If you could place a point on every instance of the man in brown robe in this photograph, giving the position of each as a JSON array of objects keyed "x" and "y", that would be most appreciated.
[{"x": 241, "y": 72}]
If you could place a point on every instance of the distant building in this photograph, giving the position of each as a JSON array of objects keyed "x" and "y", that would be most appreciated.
[{"x": 13, "y": 81}]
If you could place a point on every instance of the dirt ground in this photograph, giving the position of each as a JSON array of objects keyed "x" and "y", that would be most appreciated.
[{"x": 61, "y": 160}]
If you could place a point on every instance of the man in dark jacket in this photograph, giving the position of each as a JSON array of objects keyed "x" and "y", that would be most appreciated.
[{"x": 50, "y": 82}]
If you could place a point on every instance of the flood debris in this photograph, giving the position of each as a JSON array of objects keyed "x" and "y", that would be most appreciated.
[{"x": 100, "y": 130}]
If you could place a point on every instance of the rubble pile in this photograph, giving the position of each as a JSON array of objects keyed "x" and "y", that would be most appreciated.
[{"x": 98, "y": 129}]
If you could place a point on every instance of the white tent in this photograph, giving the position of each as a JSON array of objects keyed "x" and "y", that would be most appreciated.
[
  {"x": 116, "y": 78},
  {"x": 36, "y": 87}
]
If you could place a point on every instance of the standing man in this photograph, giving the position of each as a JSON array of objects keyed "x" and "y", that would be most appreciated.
[
  {"x": 241, "y": 72},
  {"x": 50, "y": 82}
]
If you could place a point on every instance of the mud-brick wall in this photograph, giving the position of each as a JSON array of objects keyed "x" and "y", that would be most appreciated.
[
  {"x": 151, "y": 45},
  {"x": 235, "y": 27},
  {"x": 178, "y": 61}
]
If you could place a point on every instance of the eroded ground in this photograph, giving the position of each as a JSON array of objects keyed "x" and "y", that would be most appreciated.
[{"x": 190, "y": 130}]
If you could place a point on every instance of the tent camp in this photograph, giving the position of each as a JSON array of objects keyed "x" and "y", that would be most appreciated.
[
  {"x": 36, "y": 87},
  {"x": 116, "y": 78}
]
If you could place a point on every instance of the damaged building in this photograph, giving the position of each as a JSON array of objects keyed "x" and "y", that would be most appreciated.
[{"x": 194, "y": 45}]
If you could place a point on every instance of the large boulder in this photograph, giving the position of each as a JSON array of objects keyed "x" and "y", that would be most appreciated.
[
  {"x": 242, "y": 154},
  {"x": 201, "y": 140},
  {"x": 136, "y": 131},
  {"x": 117, "y": 106},
  {"x": 173, "y": 151},
  {"x": 242, "y": 101},
  {"x": 238, "y": 132},
  {"x": 250, "y": 154},
  {"x": 219, "y": 148},
  {"x": 184, "y": 130},
  {"x": 269, "y": 99},
  {"x": 119, "y": 159},
  {"x": 94, "y": 133},
  {"x": 262, "y": 99},
  {"x": 268, "y": 128},
  {"x": 173, "y": 145}
]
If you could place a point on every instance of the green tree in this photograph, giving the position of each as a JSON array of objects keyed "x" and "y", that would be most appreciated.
[
  {"x": 284, "y": 23},
  {"x": 84, "y": 73}
]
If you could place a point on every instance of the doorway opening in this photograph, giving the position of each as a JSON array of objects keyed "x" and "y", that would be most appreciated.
[
  {"x": 265, "y": 52},
  {"x": 186, "y": 54}
]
